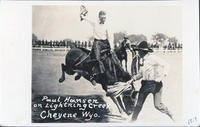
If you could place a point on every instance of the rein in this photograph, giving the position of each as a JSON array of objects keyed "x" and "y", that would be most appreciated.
[{"x": 82, "y": 59}]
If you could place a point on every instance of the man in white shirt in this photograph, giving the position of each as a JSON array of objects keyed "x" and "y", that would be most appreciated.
[
  {"x": 152, "y": 72},
  {"x": 103, "y": 40}
]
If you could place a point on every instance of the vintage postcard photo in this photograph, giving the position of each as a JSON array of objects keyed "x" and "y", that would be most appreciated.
[
  {"x": 94, "y": 63},
  {"x": 112, "y": 63}
]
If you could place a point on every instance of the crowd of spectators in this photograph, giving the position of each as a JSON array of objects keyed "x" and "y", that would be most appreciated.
[
  {"x": 61, "y": 43},
  {"x": 88, "y": 44}
]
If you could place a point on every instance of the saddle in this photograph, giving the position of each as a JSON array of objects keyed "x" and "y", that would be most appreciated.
[
  {"x": 93, "y": 61},
  {"x": 96, "y": 67}
]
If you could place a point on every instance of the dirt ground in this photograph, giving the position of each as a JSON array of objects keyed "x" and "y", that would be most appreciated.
[{"x": 46, "y": 70}]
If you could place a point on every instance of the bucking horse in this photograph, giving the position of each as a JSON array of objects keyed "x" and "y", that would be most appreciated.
[{"x": 78, "y": 60}]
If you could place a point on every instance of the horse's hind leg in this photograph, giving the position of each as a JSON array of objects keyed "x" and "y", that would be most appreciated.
[
  {"x": 120, "y": 97},
  {"x": 63, "y": 68},
  {"x": 117, "y": 104}
]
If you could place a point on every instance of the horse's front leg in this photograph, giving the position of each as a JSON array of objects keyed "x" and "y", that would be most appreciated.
[
  {"x": 120, "y": 105},
  {"x": 80, "y": 74},
  {"x": 63, "y": 68},
  {"x": 126, "y": 65}
]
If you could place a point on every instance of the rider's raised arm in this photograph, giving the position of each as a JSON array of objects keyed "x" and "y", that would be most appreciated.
[{"x": 85, "y": 18}]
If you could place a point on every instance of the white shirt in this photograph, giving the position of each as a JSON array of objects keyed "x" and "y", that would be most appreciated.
[
  {"x": 101, "y": 31},
  {"x": 154, "y": 68}
]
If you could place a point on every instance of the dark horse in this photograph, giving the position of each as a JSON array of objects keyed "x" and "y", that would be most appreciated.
[
  {"x": 78, "y": 60},
  {"x": 121, "y": 52},
  {"x": 122, "y": 55}
]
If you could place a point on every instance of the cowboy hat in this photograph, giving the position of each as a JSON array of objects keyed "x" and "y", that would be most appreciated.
[{"x": 143, "y": 46}]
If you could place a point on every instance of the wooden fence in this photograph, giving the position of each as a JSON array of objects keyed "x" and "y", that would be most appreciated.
[{"x": 41, "y": 48}]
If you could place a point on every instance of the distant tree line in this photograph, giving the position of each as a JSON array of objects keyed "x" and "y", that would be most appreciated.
[{"x": 159, "y": 40}]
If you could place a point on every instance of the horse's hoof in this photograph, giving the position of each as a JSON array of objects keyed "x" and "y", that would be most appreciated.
[
  {"x": 77, "y": 77},
  {"x": 61, "y": 80}
]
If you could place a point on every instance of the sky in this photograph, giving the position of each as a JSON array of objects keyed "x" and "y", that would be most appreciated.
[{"x": 58, "y": 22}]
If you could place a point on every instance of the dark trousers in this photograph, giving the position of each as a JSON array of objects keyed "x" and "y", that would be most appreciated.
[
  {"x": 99, "y": 46},
  {"x": 151, "y": 86}
]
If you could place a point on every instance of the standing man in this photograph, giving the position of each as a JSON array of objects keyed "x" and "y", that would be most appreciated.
[
  {"x": 152, "y": 72},
  {"x": 127, "y": 42},
  {"x": 103, "y": 39}
]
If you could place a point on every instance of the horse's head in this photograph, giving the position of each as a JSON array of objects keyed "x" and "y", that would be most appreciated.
[{"x": 124, "y": 44}]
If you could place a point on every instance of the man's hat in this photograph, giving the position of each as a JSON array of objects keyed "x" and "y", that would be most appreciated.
[{"x": 143, "y": 46}]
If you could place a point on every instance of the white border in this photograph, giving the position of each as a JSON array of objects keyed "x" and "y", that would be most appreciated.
[{"x": 16, "y": 55}]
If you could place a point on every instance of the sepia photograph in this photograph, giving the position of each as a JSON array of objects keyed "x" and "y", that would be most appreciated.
[
  {"x": 106, "y": 64},
  {"x": 99, "y": 63}
]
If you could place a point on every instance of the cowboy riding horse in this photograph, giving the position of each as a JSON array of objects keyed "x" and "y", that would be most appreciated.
[{"x": 78, "y": 60}]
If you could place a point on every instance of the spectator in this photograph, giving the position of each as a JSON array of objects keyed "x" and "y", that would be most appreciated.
[{"x": 85, "y": 44}]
